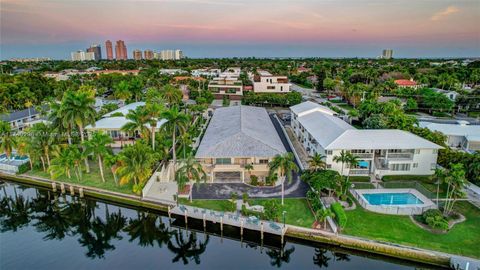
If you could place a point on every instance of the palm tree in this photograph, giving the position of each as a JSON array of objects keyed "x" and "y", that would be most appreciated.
[
  {"x": 154, "y": 110},
  {"x": 322, "y": 215},
  {"x": 62, "y": 164},
  {"x": 8, "y": 141},
  {"x": 112, "y": 161},
  {"x": 122, "y": 91},
  {"x": 285, "y": 164},
  {"x": 43, "y": 139},
  {"x": 138, "y": 121},
  {"x": 248, "y": 167},
  {"x": 98, "y": 146},
  {"x": 343, "y": 158},
  {"x": 177, "y": 123},
  {"x": 77, "y": 109},
  {"x": 316, "y": 162},
  {"x": 135, "y": 165},
  {"x": 185, "y": 249},
  {"x": 171, "y": 95},
  {"x": 191, "y": 170},
  {"x": 456, "y": 181},
  {"x": 277, "y": 257}
]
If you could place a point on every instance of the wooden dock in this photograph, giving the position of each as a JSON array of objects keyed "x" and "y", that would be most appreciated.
[{"x": 227, "y": 218}]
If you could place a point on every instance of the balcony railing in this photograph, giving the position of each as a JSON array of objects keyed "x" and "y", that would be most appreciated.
[
  {"x": 400, "y": 156},
  {"x": 359, "y": 172},
  {"x": 363, "y": 155}
]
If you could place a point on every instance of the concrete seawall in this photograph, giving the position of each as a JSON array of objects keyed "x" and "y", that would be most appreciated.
[{"x": 349, "y": 242}]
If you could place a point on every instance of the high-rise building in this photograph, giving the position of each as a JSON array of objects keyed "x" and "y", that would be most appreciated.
[
  {"x": 82, "y": 56},
  {"x": 108, "y": 48},
  {"x": 97, "y": 51},
  {"x": 137, "y": 54},
  {"x": 178, "y": 54},
  {"x": 387, "y": 54},
  {"x": 121, "y": 50},
  {"x": 148, "y": 54}
]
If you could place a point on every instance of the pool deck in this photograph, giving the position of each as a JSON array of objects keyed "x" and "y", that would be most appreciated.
[{"x": 407, "y": 209}]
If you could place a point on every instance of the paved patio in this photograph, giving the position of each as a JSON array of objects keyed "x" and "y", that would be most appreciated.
[{"x": 295, "y": 189}]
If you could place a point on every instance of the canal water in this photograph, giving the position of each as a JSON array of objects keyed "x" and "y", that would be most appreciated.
[{"x": 43, "y": 230}]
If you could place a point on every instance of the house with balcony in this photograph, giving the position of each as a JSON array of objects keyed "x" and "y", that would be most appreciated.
[
  {"x": 112, "y": 123},
  {"x": 379, "y": 151},
  {"x": 19, "y": 120},
  {"x": 265, "y": 82},
  {"x": 226, "y": 85},
  {"x": 238, "y": 136}
]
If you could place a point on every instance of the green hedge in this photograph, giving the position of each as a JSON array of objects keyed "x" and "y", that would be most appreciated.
[
  {"x": 340, "y": 215},
  {"x": 359, "y": 178},
  {"x": 25, "y": 167},
  {"x": 420, "y": 178}
]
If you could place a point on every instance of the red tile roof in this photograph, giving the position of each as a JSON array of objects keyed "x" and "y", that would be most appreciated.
[{"x": 406, "y": 82}]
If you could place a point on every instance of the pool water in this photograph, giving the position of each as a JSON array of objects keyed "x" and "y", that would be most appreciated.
[{"x": 392, "y": 198}]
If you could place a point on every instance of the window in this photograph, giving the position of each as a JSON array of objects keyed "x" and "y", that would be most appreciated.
[
  {"x": 281, "y": 88},
  {"x": 415, "y": 165},
  {"x": 223, "y": 161},
  {"x": 271, "y": 87},
  {"x": 417, "y": 151},
  {"x": 329, "y": 152},
  {"x": 329, "y": 166},
  {"x": 399, "y": 167},
  {"x": 263, "y": 161}
]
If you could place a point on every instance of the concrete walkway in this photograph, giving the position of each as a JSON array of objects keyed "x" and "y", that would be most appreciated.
[{"x": 303, "y": 155}]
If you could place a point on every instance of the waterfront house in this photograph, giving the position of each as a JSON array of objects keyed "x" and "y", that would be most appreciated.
[
  {"x": 22, "y": 119},
  {"x": 235, "y": 137},
  {"x": 380, "y": 151}
]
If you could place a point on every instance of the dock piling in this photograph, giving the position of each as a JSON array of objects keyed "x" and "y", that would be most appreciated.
[
  {"x": 186, "y": 217},
  {"x": 241, "y": 227},
  {"x": 80, "y": 191},
  {"x": 221, "y": 224},
  {"x": 54, "y": 186},
  {"x": 72, "y": 190},
  {"x": 261, "y": 230},
  {"x": 204, "y": 221},
  {"x": 62, "y": 188}
]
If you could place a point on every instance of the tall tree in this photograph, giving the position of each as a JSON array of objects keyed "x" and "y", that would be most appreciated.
[
  {"x": 171, "y": 95},
  {"x": 136, "y": 163},
  {"x": 285, "y": 165},
  {"x": 77, "y": 108},
  {"x": 98, "y": 146},
  {"x": 317, "y": 162},
  {"x": 7, "y": 140}
]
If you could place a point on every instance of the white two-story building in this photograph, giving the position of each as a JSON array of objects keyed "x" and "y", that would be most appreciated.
[
  {"x": 379, "y": 151},
  {"x": 265, "y": 82}
]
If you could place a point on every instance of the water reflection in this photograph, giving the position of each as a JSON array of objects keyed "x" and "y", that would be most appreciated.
[{"x": 100, "y": 228}]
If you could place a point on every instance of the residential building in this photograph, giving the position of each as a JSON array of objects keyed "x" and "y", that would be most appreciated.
[
  {"x": 450, "y": 94},
  {"x": 121, "y": 50},
  {"x": 172, "y": 71},
  {"x": 137, "y": 55},
  {"x": 178, "y": 54},
  {"x": 379, "y": 151},
  {"x": 31, "y": 59},
  {"x": 225, "y": 85},
  {"x": 112, "y": 123},
  {"x": 407, "y": 83},
  {"x": 108, "y": 48},
  {"x": 459, "y": 136},
  {"x": 265, "y": 82},
  {"x": 206, "y": 72},
  {"x": 22, "y": 119},
  {"x": 96, "y": 50},
  {"x": 387, "y": 54},
  {"x": 148, "y": 54},
  {"x": 82, "y": 56},
  {"x": 235, "y": 137}
]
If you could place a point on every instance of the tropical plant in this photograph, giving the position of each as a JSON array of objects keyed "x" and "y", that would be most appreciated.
[
  {"x": 171, "y": 95},
  {"x": 456, "y": 182},
  {"x": 138, "y": 122},
  {"x": 122, "y": 91},
  {"x": 153, "y": 110},
  {"x": 285, "y": 165},
  {"x": 177, "y": 123},
  {"x": 77, "y": 109},
  {"x": 67, "y": 159},
  {"x": 135, "y": 165},
  {"x": 8, "y": 141},
  {"x": 113, "y": 162},
  {"x": 317, "y": 162},
  {"x": 191, "y": 170},
  {"x": 322, "y": 215},
  {"x": 98, "y": 146}
]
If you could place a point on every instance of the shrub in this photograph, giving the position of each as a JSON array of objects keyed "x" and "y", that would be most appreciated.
[
  {"x": 245, "y": 197},
  {"x": 254, "y": 180},
  {"x": 314, "y": 200},
  {"x": 272, "y": 210},
  {"x": 340, "y": 215},
  {"x": 435, "y": 219},
  {"x": 23, "y": 168}
]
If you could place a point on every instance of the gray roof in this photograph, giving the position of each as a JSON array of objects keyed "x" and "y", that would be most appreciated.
[
  {"x": 453, "y": 129},
  {"x": 126, "y": 109},
  {"x": 240, "y": 131},
  {"x": 17, "y": 115},
  {"x": 309, "y": 106}
]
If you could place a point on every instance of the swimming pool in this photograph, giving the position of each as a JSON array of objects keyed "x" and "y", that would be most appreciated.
[{"x": 391, "y": 198}]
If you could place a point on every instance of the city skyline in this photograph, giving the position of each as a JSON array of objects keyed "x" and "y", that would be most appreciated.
[{"x": 211, "y": 28}]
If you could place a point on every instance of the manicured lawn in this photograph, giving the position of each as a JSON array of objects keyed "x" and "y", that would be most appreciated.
[
  {"x": 346, "y": 106},
  {"x": 219, "y": 205},
  {"x": 298, "y": 212},
  {"x": 91, "y": 179},
  {"x": 463, "y": 239}
]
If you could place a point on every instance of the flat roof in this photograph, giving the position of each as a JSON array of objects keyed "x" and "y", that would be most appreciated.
[
  {"x": 240, "y": 131},
  {"x": 453, "y": 129}
]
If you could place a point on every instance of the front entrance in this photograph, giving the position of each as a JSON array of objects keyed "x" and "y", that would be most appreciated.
[{"x": 227, "y": 177}]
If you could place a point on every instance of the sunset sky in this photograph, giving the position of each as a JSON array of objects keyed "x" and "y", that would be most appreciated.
[{"x": 262, "y": 28}]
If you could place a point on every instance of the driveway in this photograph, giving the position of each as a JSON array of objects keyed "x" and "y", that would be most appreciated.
[{"x": 295, "y": 189}]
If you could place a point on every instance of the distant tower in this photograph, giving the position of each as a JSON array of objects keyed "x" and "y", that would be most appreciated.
[
  {"x": 387, "y": 54},
  {"x": 121, "y": 50},
  {"x": 137, "y": 55},
  {"x": 148, "y": 54},
  {"x": 108, "y": 47},
  {"x": 96, "y": 50}
]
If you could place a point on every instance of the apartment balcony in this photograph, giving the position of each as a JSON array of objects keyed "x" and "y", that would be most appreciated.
[
  {"x": 363, "y": 155},
  {"x": 400, "y": 156},
  {"x": 359, "y": 172}
]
